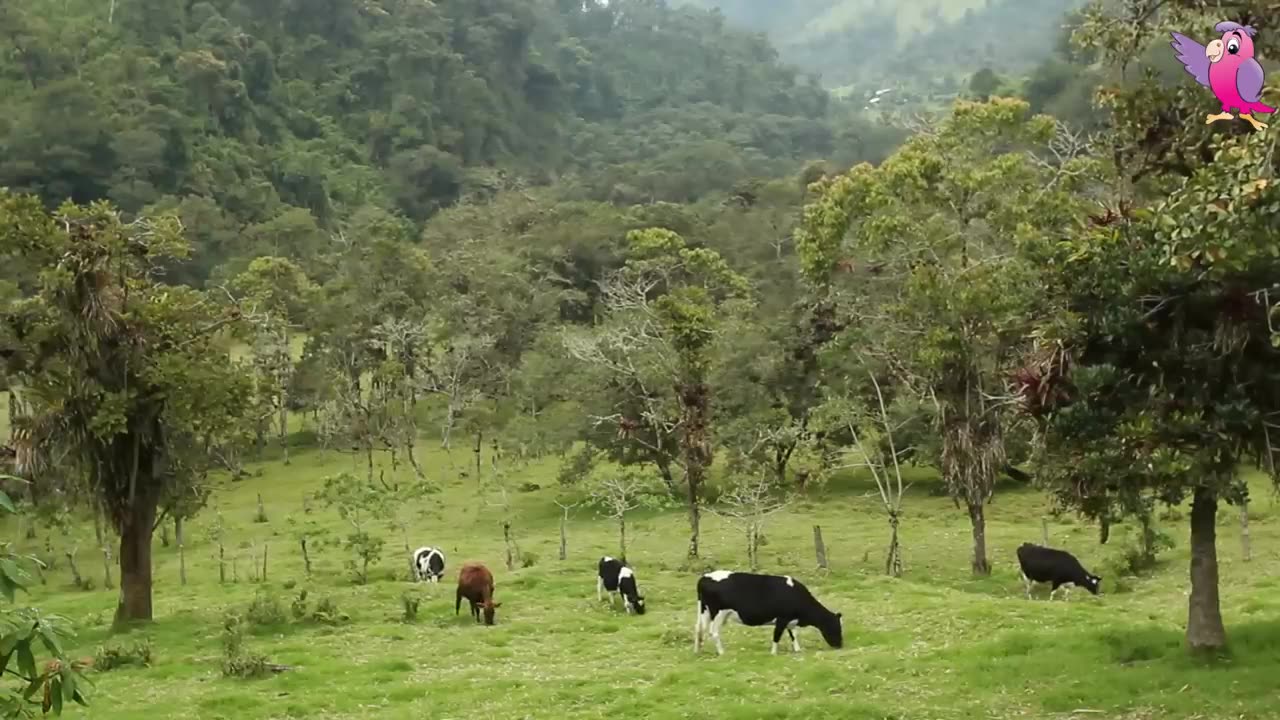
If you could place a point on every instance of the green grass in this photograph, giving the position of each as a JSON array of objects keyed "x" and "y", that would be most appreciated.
[{"x": 935, "y": 644}]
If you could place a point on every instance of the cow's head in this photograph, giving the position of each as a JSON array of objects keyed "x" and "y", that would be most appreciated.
[
  {"x": 832, "y": 629},
  {"x": 1092, "y": 583},
  {"x": 639, "y": 605},
  {"x": 489, "y": 607}
]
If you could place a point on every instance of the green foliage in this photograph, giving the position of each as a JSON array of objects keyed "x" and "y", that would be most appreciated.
[
  {"x": 139, "y": 653},
  {"x": 22, "y": 631},
  {"x": 266, "y": 610},
  {"x": 237, "y": 662},
  {"x": 409, "y": 602}
]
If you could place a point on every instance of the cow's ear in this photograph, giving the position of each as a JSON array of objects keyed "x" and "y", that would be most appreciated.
[
  {"x": 497, "y": 605},
  {"x": 840, "y": 615}
]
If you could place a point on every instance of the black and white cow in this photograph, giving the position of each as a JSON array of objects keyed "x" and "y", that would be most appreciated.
[
  {"x": 615, "y": 577},
  {"x": 1047, "y": 565},
  {"x": 757, "y": 600},
  {"x": 429, "y": 563}
]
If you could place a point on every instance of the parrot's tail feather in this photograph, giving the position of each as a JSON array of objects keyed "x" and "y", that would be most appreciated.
[{"x": 1260, "y": 108}]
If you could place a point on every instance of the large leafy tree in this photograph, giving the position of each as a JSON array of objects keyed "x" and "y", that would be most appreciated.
[
  {"x": 119, "y": 368},
  {"x": 1163, "y": 376},
  {"x": 924, "y": 258}
]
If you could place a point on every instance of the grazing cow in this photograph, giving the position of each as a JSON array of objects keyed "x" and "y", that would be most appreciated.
[
  {"x": 757, "y": 600},
  {"x": 475, "y": 583},
  {"x": 429, "y": 563},
  {"x": 1041, "y": 564},
  {"x": 615, "y": 577}
]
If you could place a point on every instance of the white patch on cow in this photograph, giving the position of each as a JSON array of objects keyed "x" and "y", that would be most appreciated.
[
  {"x": 774, "y": 651},
  {"x": 624, "y": 573},
  {"x": 794, "y": 627},
  {"x": 607, "y": 559},
  {"x": 719, "y": 575},
  {"x": 790, "y": 582},
  {"x": 599, "y": 588}
]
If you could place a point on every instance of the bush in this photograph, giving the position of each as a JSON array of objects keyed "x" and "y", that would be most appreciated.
[
  {"x": 528, "y": 559},
  {"x": 410, "y": 603},
  {"x": 299, "y": 606},
  {"x": 265, "y": 611},
  {"x": 235, "y": 661},
  {"x": 110, "y": 657},
  {"x": 327, "y": 612}
]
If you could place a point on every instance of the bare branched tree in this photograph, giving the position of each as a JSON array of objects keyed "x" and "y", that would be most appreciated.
[
  {"x": 885, "y": 470},
  {"x": 748, "y": 505},
  {"x": 618, "y": 493}
]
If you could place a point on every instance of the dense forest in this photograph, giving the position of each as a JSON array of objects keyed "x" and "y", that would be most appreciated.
[
  {"x": 624, "y": 234},
  {"x": 271, "y": 125}
]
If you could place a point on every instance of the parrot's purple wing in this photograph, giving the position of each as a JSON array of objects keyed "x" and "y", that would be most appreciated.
[
  {"x": 1191, "y": 54},
  {"x": 1249, "y": 80}
]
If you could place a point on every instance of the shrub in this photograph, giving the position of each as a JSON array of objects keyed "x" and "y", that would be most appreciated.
[
  {"x": 410, "y": 603},
  {"x": 265, "y": 610},
  {"x": 110, "y": 657},
  {"x": 528, "y": 559}
]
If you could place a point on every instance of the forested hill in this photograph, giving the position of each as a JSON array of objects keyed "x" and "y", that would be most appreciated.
[
  {"x": 266, "y": 125},
  {"x": 922, "y": 44}
]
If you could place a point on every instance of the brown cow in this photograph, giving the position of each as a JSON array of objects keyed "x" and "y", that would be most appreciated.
[{"x": 475, "y": 583}]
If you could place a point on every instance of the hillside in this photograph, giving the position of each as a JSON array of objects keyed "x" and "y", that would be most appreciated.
[
  {"x": 268, "y": 127},
  {"x": 864, "y": 45}
]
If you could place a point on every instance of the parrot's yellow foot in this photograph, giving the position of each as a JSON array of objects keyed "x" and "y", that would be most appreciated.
[
  {"x": 1215, "y": 118},
  {"x": 1256, "y": 124}
]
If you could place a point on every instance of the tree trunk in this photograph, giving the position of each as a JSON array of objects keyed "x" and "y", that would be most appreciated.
[
  {"x": 1104, "y": 531},
  {"x": 893, "y": 560},
  {"x": 368, "y": 459},
  {"x": 182, "y": 550},
  {"x": 264, "y": 561},
  {"x": 479, "y": 440},
  {"x": 979, "y": 521},
  {"x": 1204, "y": 614},
  {"x": 75, "y": 571},
  {"x": 1245, "y": 545},
  {"x": 695, "y": 410},
  {"x": 668, "y": 479},
  {"x": 564, "y": 540},
  {"x": 164, "y": 535},
  {"x": 413, "y": 459},
  {"x": 1044, "y": 531},
  {"x": 622, "y": 537},
  {"x": 135, "y": 562},
  {"x": 284, "y": 423},
  {"x": 99, "y": 534},
  {"x": 819, "y": 547},
  {"x": 506, "y": 539}
]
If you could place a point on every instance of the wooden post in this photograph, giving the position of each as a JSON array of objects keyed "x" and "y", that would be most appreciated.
[
  {"x": 1044, "y": 531},
  {"x": 564, "y": 541},
  {"x": 262, "y": 511},
  {"x": 819, "y": 548},
  {"x": 1245, "y": 549},
  {"x": 264, "y": 561}
]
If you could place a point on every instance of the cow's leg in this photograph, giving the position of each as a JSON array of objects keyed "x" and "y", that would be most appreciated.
[
  {"x": 1066, "y": 592},
  {"x": 795, "y": 643},
  {"x": 1054, "y": 592},
  {"x": 1027, "y": 581},
  {"x": 599, "y": 588},
  {"x": 779, "y": 625},
  {"x": 698, "y": 622},
  {"x": 716, "y": 624},
  {"x": 457, "y": 605}
]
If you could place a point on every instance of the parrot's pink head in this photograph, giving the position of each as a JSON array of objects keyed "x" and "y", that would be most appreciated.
[{"x": 1234, "y": 47}]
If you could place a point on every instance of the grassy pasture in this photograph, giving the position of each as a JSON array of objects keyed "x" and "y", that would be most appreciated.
[{"x": 935, "y": 644}]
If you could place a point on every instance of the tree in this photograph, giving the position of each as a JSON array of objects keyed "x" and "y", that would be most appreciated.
[
  {"x": 923, "y": 257},
  {"x": 277, "y": 297},
  {"x": 116, "y": 363},
  {"x": 618, "y": 492},
  {"x": 750, "y": 500},
  {"x": 664, "y": 309},
  {"x": 1163, "y": 376}
]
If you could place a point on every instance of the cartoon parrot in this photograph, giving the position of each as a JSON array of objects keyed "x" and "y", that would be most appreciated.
[{"x": 1227, "y": 67}]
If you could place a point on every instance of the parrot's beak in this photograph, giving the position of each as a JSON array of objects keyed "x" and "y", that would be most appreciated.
[{"x": 1213, "y": 51}]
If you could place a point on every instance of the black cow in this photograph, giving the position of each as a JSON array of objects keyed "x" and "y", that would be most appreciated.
[
  {"x": 615, "y": 577},
  {"x": 429, "y": 563},
  {"x": 1047, "y": 565},
  {"x": 757, "y": 600}
]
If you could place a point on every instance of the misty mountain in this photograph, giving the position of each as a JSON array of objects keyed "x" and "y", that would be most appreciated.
[{"x": 925, "y": 44}]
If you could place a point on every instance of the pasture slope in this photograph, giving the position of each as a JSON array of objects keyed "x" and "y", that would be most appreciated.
[{"x": 937, "y": 644}]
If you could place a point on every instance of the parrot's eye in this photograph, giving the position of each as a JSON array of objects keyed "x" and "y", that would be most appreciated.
[{"x": 1233, "y": 47}]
